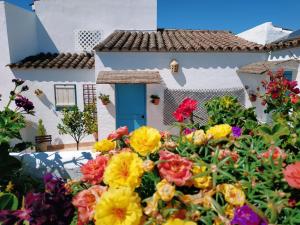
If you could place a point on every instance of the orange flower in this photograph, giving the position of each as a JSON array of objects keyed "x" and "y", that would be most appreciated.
[
  {"x": 174, "y": 168},
  {"x": 85, "y": 201},
  {"x": 292, "y": 175},
  {"x": 93, "y": 170}
]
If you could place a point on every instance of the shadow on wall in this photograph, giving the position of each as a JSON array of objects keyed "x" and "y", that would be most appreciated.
[
  {"x": 44, "y": 99},
  {"x": 63, "y": 164},
  {"x": 45, "y": 43}
]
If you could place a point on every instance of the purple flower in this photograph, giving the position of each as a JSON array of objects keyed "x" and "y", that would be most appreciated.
[
  {"x": 236, "y": 131},
  {"x": 246, "y": 216},
  {"x": 18, "y": 82},
  {"x": 24, "y": 103},
  {"x": 54, "y": 206}
]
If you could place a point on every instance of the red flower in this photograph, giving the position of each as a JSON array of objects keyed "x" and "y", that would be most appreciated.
[
  {"x": 276, "y": 153},
  {"x": 93, "y": 170},
  {"x": 85, "y": 201},
  {"x": 294, "y": 99},
  {"x": 174, "y": 168},
  {"x": 119, "y": 133},
  {"x": 292, "y": 175},
  {"x": 185, "y": 109}
]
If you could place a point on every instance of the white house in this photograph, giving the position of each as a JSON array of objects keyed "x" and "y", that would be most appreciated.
[{"x": 73, "y": 50}]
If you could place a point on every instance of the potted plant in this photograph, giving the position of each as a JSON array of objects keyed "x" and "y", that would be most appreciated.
[
  {"x": 104, "y": 99},
  {"x": 42, "y": 140},
  {"x": 155, "y": 99},
  {"x": 90, "y": 120}
]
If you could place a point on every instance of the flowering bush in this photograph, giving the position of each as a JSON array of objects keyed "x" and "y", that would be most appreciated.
[
  {"x": 281, "y": 95},
  {"x": 217, "y": 175}
]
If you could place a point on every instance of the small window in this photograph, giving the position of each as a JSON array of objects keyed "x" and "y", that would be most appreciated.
[
  {"x": 86, "y": 40},
  {"x": 288, "y": 75},
  {"x": 65, "y": 95}
]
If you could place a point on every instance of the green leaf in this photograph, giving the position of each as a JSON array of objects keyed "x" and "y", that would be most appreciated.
[{"x": 8, "y": 201}]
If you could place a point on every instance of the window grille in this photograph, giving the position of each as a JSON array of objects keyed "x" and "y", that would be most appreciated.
[
  {"x": 173, "y": 97},
  {"x": 65, "y": 95},
  {"x": 86, "y": 40}
]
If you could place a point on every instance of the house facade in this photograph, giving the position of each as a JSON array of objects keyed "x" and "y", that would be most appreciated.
[{"x": 114, "y": 48}]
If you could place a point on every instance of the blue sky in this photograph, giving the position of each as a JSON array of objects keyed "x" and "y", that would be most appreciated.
[{"x": 233, "y": 15}]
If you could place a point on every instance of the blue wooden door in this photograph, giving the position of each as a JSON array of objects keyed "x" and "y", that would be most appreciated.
[{"x": 131, "y": 105}]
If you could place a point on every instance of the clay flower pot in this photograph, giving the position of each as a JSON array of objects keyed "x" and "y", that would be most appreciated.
[{"x": 156, "y": 101}]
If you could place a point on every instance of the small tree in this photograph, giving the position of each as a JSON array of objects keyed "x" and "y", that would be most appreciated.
[
  {"x": 90, "y": 119},
  {"x": 41, "y": 131},
  {"x": 73, "y": 124}
]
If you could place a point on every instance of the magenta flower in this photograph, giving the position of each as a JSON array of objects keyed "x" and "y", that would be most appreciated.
[
  {"x": 236, "y": 131},
  {"x": 246, "y": 216}
]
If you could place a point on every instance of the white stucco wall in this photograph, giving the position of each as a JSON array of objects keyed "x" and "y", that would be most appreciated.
[
  {"x": 264, "y": 33},
  {"x": 21, "y": 32},
  {"x": 197, "y": 71},
  {"x": 45, "y": 105},
  {"x": 57, "y": 19}
]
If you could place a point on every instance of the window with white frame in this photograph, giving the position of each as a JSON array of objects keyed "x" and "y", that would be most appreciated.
[{"x": 65, "y": 95}]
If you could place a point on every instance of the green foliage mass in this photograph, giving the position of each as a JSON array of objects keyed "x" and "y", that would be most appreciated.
[{"x": 228, "y": 110}]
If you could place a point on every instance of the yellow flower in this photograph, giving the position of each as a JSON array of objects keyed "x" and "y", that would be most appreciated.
[
  {"x": 233, "y": 195},
  {"x": 9, "y": 187},
  {"x": 179, "y": 222},
  {"x": 104, "y": 145},
  {"x": 165, "y": 190},
  {"x": 118, "y": 207},
  {"x": 152, "y": 204},
  {"x": 201, "y": 182},
  {"x": 227, "y": 101},
  {"x": 229, "y": 211},
  {"x": 219, "y": 131},
  {"x": 148, "y": 165},
  {"x": 124, "y": 170},
  {"x": 198, "y": 137},
  {"x": 145, "y": 140}
]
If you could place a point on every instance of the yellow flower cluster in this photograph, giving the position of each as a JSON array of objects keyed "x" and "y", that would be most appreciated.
[
  {"x": 179, "y": 222},
  {"x": 104, "y": 145},
  {"x": 219, "y": 131},
  {"x": 120, "y": 207},
  {"x": 202, "y": 181},
  {"x": 233, "y": 195},
  {"x": 197, "y": 137},
  {"x": 145, "y": 140},
  {"x": 124, "y": 170}
]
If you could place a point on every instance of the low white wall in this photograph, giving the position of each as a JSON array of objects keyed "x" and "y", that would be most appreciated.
[
  {"x": 197, "y": 71},
  {"x": 45, "y": 105},
  {"x": 65, "y": 164}
]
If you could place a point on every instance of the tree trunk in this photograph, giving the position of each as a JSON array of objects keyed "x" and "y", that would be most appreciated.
[{"x": 77, "y": 145}]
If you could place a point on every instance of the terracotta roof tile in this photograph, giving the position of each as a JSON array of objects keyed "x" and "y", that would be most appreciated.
[
  {"x": 56, "y": 61},
  {"x": 264, "y": 66},
  {"x": 177, "y": 41},
  {"x": 284, "y": 44}
]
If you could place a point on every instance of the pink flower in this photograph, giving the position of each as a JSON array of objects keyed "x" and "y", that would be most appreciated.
[
  {"x": 93, "y": 170},
  {"x": 223, "y": 153},
  {"x": 174, "y": 168},
  {"x": 85, "y": 201},
  {"x": 119, "y": 133},
  {"x": 185, "y": 109},
  {"x": 292, "y": 175}
]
